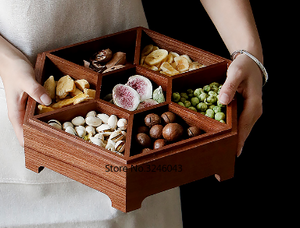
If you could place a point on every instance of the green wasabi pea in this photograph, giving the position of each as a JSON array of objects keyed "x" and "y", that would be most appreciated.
[
  {"x": 197, "y": 92},
  {"x": 210, "y": 113},
  {"x": 206, "y": 88},
  {"x": 184, "y": 95},
  {"x": 183, "y": 99},
  {"x": 181, "y": 103},
  {"x": 222, "y": 121},
  {"x": 195, "y": 101},
  {"x": 176, "y": 97},
  {"x": 220, "y": 105},
  {"x": 211, "y": 99},
  {"x": 214, "y": 84},
  {"x": 193, "y": 108},
  {"x": 202, "y": 96},
  {"x": 187, "y": 104},
  {"x": 212, "y": 93},
  {"x": 201, "y": 107},
  {"x": 190, "y": 92},
  {"x": 220, "y": 116},
  {"x": 217, "y": 109}
]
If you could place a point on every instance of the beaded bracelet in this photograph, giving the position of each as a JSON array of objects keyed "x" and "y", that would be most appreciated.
[{"x": 259, "y": 64}]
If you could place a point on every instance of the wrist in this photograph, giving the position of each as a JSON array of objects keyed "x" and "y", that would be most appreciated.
[{"x": 254, "y": 59}]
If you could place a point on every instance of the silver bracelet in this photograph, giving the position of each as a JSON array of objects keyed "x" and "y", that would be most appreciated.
[{"x": 259, "y": 64}]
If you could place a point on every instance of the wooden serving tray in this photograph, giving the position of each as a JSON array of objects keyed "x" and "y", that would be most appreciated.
[{"x": 128, "y": 179}]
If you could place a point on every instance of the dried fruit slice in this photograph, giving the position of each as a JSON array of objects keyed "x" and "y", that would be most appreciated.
[
  {"x": 167, "y": 69},
  {"x": 147, "y": 50},
  {"x": 142, "y": 85},
  {"x": 155, "y": 57},
  {"x": 147, "y": 103},
  {"x": 126, "y": 97},
  {"x": 182, "y": 64}
]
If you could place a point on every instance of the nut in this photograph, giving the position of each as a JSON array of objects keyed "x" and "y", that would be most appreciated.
[
  {"x": 93, "y": 121},
  {"x": 159, "y": 143},
  {"x": 193, "y": 131},
  {"x": 172, "y": 132},
  {"x": 168, "y": 117},
  {"x": 67, "y": 124},
  {"x": 116, "y": 136},
  {"x": 156, "y": 131},
  {"x": 81, "y": 132},
  {"x": 152, "y": 119},
  {"x": 104, "y": 117},
  {"x": 112, "y": 122},
  {"x": 70, "y": 130},
  {"x": 122, "y": 124},
  {"x": 55, "y": 123},
  {"x": 143, "y": 129},
  {"x": 143, "y": 139},
  {"x": 120, "y": 146},
  {"x": 103, "y": 56},
  {"x": 77, "y": 121}
]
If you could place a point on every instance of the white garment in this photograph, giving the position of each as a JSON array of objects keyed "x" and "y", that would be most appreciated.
[{"x": 49, "y": 199}]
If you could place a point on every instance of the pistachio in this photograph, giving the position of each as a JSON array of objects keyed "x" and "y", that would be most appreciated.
[
  {"x": 67, "y": 124},
  {"x": 55, "y": 123},
  {"x": 81, "y": 132},
  {"x": 99, "y": 136},
  {"x": 104, "y": 117},
  {"x": 103, "y": 128},
  {"x": 90, "y": 130},
  {"x": 112, "y": 122},
  {"x": 93, "y": 121},
  {"x": 122, "y": 124},
  {"x": 116, "y": 136},
  {"x": 120, "y": 146},
  {"x": 77, "y": 121},
  {"x": 110, "y": 145},
  {"x": 97, "y": 141},
  {"x": 91, "y": 113},
  {"x": 70, "y": 130}
]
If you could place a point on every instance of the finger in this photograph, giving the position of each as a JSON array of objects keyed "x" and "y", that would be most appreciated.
[
  {"x": 16, "y": 113},
  {"x": 36, "y": 91},
  {"x": 250, "y": 114},
  {"x": 232, "y": 82}
]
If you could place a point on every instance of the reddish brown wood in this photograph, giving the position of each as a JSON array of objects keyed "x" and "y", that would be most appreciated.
[{"x": 128, "y": 179}]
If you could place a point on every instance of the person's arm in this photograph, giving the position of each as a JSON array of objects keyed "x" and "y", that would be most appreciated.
[
  {"x": 236, "y": 25},
  {"x": 19, "y": 81}
]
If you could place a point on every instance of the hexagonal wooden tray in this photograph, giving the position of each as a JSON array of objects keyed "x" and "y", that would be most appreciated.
[{"x": 146, "y": 173}]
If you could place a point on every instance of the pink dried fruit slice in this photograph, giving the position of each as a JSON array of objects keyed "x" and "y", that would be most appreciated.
[
  {"x": 147, "y": 103},
  {"x": 142, "y": 85},
  {"x": 125, "y": 97}
]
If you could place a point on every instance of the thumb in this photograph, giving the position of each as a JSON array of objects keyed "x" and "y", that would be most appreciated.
[
  {"x": 232, "y": 82},
  {"x": 36, "y": 91}
]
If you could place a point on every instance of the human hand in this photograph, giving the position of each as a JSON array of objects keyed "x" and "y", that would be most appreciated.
[
  {"x": 245, "y": 77},
  {"x": 19, "y": 82}
]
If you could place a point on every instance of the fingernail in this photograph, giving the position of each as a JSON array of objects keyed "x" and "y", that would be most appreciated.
[
  {"x": 240, "y": 152},
  {"x": 46, "y": 99},
  {"x": 224, "y": 99}
]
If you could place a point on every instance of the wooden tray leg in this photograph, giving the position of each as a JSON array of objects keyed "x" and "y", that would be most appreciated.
[{"x": 31, "y": 163}]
